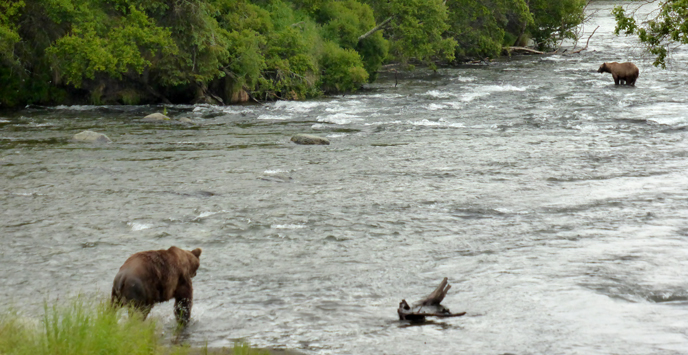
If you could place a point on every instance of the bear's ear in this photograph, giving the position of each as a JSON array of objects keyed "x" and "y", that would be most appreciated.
[{"x": 197, "y": 252}]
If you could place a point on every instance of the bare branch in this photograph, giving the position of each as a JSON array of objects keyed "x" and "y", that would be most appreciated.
[
  {"x": 587, "y": 42},
  {"x": 375, "y": 29}
]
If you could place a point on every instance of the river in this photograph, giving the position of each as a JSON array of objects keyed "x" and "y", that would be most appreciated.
[{"x": 555, "y": 203}]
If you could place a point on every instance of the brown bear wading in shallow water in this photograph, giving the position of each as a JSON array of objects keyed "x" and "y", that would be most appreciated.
[
  {"x": 154, "y": 276},
  {"x": 621, "y": 72}
]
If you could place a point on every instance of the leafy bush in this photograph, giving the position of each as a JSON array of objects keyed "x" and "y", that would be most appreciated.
[
  {"x": 344, "y": 22},
  {"x": 554, "y": 20},
  {"x": 342, "y": 69}
]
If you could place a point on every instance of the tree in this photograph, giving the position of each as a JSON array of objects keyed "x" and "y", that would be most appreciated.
[
  {"x": 417, "y": 29},
  {"x": 483, "y": 27},
  {"x": 555, "y": 20},
  {"x": 660, "y": 31}
]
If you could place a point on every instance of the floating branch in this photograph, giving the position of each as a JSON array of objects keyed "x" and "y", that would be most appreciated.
[{"x": 429, "y": 306}]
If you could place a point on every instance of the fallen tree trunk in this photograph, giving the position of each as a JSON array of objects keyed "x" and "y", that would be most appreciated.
[
  {"x": 523, "y": 49},
  {"x": 429, "y": 306},
  {"x": 533, "y": 51}
]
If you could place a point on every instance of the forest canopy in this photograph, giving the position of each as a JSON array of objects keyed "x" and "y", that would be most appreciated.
[{"x": 224, "y": 51}]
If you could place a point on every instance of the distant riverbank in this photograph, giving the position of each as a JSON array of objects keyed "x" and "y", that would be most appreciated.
[{"x": 79, "y": 52}]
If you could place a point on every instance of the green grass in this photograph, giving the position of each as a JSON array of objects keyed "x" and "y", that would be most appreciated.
[{"x": 84, "y": 327}]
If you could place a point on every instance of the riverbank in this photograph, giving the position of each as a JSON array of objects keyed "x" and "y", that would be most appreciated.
[
  {"x": 80, "y": 52},
  {"x": 86, "y": 326}
]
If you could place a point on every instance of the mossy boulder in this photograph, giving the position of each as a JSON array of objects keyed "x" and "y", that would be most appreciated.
[
  {"x": 155, "y": 117},
  {"x": 91, "y": 137},
  {"x": 309, "y": 139}
]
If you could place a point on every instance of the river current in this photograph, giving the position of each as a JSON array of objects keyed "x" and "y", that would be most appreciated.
[{"x": 555, "y": 202}]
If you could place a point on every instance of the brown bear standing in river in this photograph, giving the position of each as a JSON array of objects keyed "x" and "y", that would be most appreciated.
[
  {"x": 149, "y": 277},
  {"x": 621, "y": 72}
]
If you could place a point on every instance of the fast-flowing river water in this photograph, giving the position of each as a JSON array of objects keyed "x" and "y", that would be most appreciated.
[{"x": 555, "y": 203}]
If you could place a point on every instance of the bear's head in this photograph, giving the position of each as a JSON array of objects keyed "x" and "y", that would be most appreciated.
[
  {"x": 188, "y": 260},
  {"x": 603, "y": 68},
  {"x": 194, "y": 260}
]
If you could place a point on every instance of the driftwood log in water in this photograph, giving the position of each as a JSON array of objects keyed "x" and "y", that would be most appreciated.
[{"x": 429, "y": 306}]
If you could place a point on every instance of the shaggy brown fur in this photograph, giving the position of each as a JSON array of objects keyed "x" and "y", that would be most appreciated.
[
  {"x": 621, "y": 72},
  {"x": 149, "y": 277}
]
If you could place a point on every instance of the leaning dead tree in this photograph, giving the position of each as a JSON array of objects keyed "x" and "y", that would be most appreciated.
[
  {"x": 375, "y": 29},
  {"x": 587, "y": 42},
  {"x": 429, "y": 306}
]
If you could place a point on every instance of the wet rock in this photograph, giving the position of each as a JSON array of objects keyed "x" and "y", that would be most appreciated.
[
  {"x": 239, "y": 97},
  {"x": 154, "y": 117},
  {"x": 275, "y": 178},
  {"x": 185, "y": 120},
  {"x": 91, "y": 137},
  {"x": 309, "y": 139}
]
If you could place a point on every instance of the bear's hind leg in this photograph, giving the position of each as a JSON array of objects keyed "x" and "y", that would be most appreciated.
[{"x": 142, "y": 310}]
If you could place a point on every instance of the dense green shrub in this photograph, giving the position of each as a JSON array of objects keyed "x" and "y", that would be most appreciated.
[
  {"x": 554, "y": 20},
  {"x": 343, "y": 22},
  {"x": 342, "y": 69},
  {"x": 417, "y": 29}
]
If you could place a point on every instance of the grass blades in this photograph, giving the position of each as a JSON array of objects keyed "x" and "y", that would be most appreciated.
[{"x": 87, "y": 327}]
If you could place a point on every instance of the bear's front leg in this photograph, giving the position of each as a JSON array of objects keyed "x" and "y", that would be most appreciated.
[
  {"x": 616, "y": 79},
  {"x": 183, "y": 301}
]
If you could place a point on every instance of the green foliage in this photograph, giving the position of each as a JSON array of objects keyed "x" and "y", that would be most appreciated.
[
  {"x": 128, "y": 45},
  {"x": 554, "y": 20},
  {"x": 79, "y": 328},
  {"x": 668, "y": 27},
  {"x": 146, "y": 51},
  {"x": 87, "y": 327},
  {"x": 481, "y": 26},
  {"x": 417, "y": 30},
  {"x": 342, "y": 69},
  {"x": 344, "y": 22},
  {"x": 245, "y": 349},
  {"x": 8, "y": 35},
  {"x": 203, "y": 43}
]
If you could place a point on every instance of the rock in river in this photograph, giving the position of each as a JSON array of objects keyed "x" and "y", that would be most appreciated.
[
  {"x": 309, "y": 139},
  {"x": 92, "y": 137},
  {"x": 156, "y": 117}
]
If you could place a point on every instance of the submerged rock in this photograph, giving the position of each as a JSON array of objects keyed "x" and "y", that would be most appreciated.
[
  {"x": 92, "y": 137},
  {"x": 309, "y": 139},
  {"x": 185, "y": 120},
  {"x": 156, "y": 117}
]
